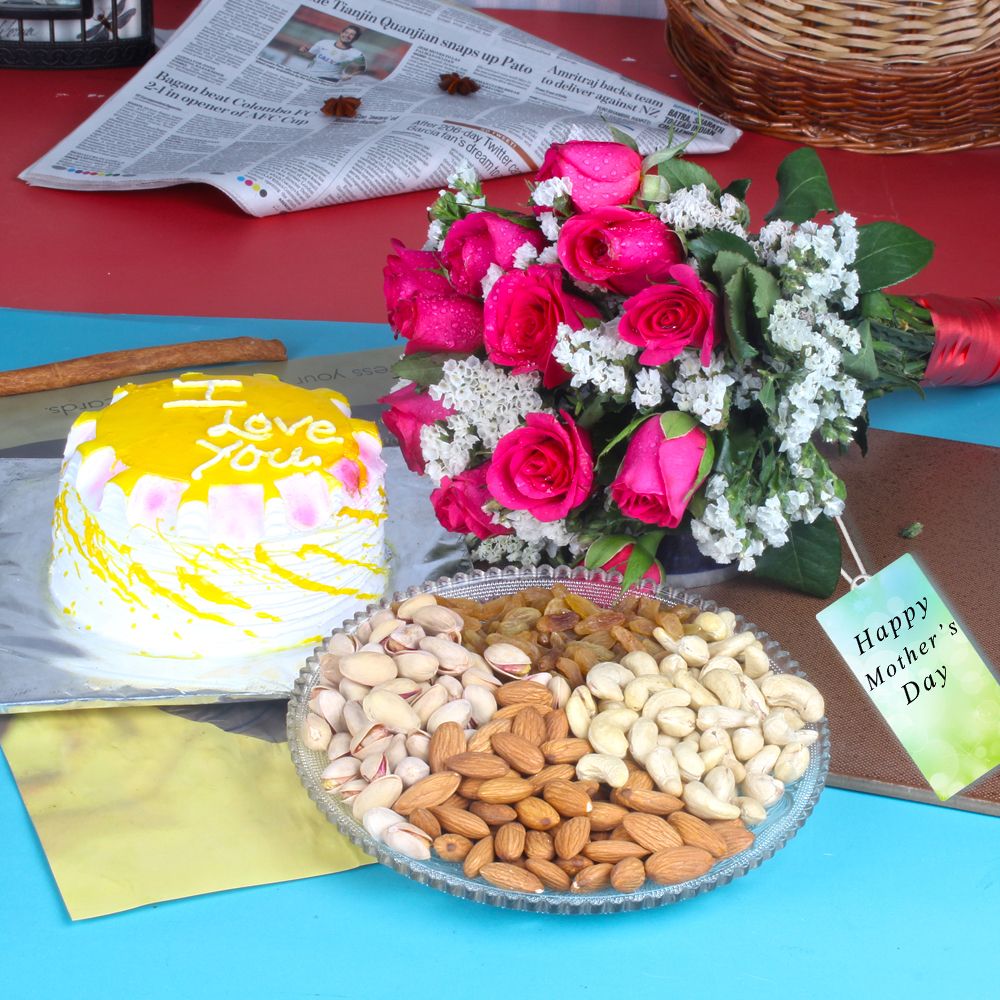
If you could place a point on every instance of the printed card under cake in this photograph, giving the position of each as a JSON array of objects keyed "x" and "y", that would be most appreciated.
[{"x": 915, "y": 662}]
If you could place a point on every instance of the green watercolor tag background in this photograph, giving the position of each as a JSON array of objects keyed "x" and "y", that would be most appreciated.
[{"x": 952, "y": 733}]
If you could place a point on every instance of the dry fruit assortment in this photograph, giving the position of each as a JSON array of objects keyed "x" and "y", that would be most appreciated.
[{"x": 544, "y": 742}]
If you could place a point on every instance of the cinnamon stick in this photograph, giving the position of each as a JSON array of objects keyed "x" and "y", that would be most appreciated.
[{"x": 139, "y": 361}]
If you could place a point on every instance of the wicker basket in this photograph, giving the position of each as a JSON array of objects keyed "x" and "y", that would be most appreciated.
[{"x": 874, "y": 76}]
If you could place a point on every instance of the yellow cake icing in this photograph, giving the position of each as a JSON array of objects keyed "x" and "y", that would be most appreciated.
[{"x": 217, "y": 515}]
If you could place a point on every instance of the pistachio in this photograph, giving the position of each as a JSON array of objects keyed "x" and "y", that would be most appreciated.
[
  {"x": 373, "y": 739},
  {"x": 429, "y": 702},
  {"x": 438, "y": 620},
  {"x": 507, "y": 659},
  {"x": 409, "y": 840},
  {"x": 381, "y": 792},
  {"x": 452, "y": 656},
  {"x": 352, "y": 690},
  {"x": 316, "y": 732},
  {"x": 561, "y": 690},
  {"x": 459, "y": 711},
  {"x": 408, "y": 608},
  {"x": 368, "y": 668},
  {"x": 482, "y": 702},
  {"x": 340, "y": 746},
  {"x": 338, "y": 772},
  {"x": 375, "y": 766},
  {"x": 383, "y": 629},
  {"x": 378, "y": 819},
  {"x": 392, "y": 711},
  {"x": 403, "y": 639},
  {"x": 396, "y": 751},
  {"x": 418, "y": 745},
  {"x": 416, "y": 665},
  {"x": 329, "y": 704},
  {"x": 411, "y": 770},
  {"x": 355, "y": 718}
]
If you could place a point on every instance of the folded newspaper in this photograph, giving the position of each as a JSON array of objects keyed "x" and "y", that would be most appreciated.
[{"x": 234, "y": 98}]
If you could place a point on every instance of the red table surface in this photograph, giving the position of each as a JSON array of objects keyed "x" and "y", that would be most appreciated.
[{"x": 188, "y": 250}]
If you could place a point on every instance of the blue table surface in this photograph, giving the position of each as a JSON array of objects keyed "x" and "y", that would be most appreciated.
[{"x": 873, "y": 897}]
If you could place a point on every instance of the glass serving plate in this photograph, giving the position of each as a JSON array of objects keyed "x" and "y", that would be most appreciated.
[{"x": 783, "y": 820}]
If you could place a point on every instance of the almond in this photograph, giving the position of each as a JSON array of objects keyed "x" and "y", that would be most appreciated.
[
  {"x": 639, "y": 779},
  {"x": 469, "y": 788},
  {"x": 523, "y": 693},
  {"x": 461, "y": 821},
  {"x": 566, "y": 798},
  {"x": 504, "y": 790},
  {"x": 628, "y": 875},
  {"x": 452, "y": 847},
  {"x": 553, "y": 772},
  {"x": 556, "y": 725},
  {"x": 477, "y": 765},
  {"x": 481, "y": 854},
  {"x": 428, "y": 792},
  {"x": 448, "y": 740},
  {"x": 493, "y": 813},
  {"x": 537, "y": 814},
  {"x": 508, "y": 842},
  {"x": 426, "y": 821},
  {"x": 606, "y": 816},
  {"x": 737, "y": 837},
  {"x": 641, "y": 800},
  {"x": 530, "y": 726},
  {"x": 697, "y": 833},
  {"x": 519, "y": 753},
  {"x": 613, "y": 850},
  {"x": 589, "y": 788},
  {"x": 505, "y": 876},
  {"x": 651, "y": 831},
  {"x": 574, "y": 865},
  {"x": 593, "y": 878},
  {"x": 678, "y": 864},
  {"x": 482, "y": 737},
  {"x": 572, "y": 836},
  {"x": 538, "y": 844},
  {"x": 551, "y": 875},
  {"x": 565, "y": 751}
]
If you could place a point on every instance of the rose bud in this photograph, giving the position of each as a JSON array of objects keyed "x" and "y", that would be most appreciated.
[
  {"x": 602, "y": 173},
  {"x": 408, "y": 411},
  {"x": 479, "y": 240},
  {"x": 458, "y": 503}
]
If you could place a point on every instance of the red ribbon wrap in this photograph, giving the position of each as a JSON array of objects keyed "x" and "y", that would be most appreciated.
[{"x": 966, "y": 342}]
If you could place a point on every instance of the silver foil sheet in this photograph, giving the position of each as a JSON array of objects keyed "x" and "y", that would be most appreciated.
[{"x": 47, "y": 663}]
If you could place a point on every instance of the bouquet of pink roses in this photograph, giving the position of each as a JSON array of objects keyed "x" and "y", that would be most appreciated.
[{"x": 628, "y": 359}]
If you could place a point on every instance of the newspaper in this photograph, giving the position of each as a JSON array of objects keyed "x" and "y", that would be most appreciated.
[{"x": 234, "y": 100}]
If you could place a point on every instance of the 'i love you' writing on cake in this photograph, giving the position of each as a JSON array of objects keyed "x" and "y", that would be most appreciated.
[{"x": 199, "y": 515}]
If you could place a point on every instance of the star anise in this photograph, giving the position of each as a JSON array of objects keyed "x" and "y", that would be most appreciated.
[
  {"x": 454, "y": 83},
  {"x": 341, "y": 107}
]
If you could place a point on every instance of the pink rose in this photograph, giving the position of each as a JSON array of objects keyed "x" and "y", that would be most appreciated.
[
  {"x": 619, "y": 562},
  {"x": 425, "y": 309},
  {"x": 664, "y": 319},
  {"x": 545, "y": 467},
  {"x": 521, "y": 316},
  {"x": 458, "y": 504},
  {"x": 667, "y": 459},
  {"x": 408, "y": 411},
  {"x": 481, "y": 239},
  {"x": 603, "y": 173},
  {"x": 618, "y": 249}
]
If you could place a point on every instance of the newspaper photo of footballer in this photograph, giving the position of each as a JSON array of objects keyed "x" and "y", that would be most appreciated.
[{"x": 334, "y": 50}]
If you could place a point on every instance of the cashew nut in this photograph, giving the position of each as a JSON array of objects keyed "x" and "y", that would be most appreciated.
[
  {"x": 765, "y": 788},
  {"x": 721, "y": 783},
  {"x": 724, "y": 685},
  {"x": 701, "y": 802},
  {"x": 790, "y": 691},
  {"x": 791, "y": 763},
  {"x": 612, "y": 771},
  {"x": 661, "y": 765},
  {"x": 677, "y": 722}
]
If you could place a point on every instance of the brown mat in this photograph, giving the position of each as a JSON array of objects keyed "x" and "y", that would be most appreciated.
[{"x": 951, "y": 488}]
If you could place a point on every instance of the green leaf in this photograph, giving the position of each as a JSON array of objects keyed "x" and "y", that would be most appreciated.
[
  {"x": 683, "y": 173},
  {"x": 803, "y": 188},
  {"x": 767, "y": 394},
  {"x": 625, "y": 432},
  {"x": 727, "y": 263},
  {"x": 738, "y": 189},
  {"x": 863, "y": 364},
  {"x": 676, "y": 424},
  {"x": 704, "y": 467},
  {"x": 737, "y": 301},
  {"x": 422, "y": 368},
  {"x": 809, "y": 562},
  {"x": 605, "y": 548},
  {"x": 765, "y": 290},
  {"x": 707, "y": 246},
  {"x": 592, "y": 413},
  {"x": 623, "y": 137},
  {"x": 643, "y": 554},
  {"x": 889, "y": 253}
]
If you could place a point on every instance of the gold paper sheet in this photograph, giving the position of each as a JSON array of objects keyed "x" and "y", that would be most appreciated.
[{"x": 139, "y": 805}]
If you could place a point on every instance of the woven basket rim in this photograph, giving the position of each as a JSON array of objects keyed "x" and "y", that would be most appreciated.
[{"x": 828, "y": 32}]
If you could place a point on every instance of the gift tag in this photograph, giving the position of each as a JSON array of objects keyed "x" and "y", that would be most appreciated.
[{"x": 925, "y": 677}]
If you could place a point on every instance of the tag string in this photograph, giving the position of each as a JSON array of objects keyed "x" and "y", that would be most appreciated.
[{"x": 864, "y": 576}]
